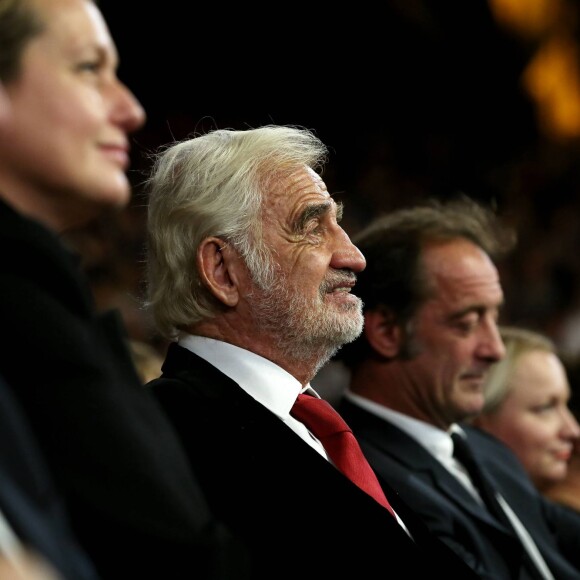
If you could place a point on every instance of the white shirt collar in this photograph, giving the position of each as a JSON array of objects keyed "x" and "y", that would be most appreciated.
[
  {"x": 435, "y": 440},
  {"x": 254, "y": 373}
]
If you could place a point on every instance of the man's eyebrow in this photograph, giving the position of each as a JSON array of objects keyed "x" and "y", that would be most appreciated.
[
  {"x": 479, "y": 309},
  {"x": 317, "y": 210},
  {"x": 472, "y": 309},
  {"x": 310, "y": 212}
]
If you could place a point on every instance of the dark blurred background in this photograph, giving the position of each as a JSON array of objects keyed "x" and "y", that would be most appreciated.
[{"x": 415, "y": 98}]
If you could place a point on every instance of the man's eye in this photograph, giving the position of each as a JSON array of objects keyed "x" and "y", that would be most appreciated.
[
  {"x": 469, "y": 323},
  {"x": 313, "y": 227}
]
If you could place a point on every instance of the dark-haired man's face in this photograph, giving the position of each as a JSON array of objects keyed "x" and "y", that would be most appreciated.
[{"x": 455, "y": 336}]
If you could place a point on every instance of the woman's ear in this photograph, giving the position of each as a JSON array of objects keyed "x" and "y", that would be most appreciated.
[
  {"x": 382, "y": 332},
  {"x": 217, "y": 262}
]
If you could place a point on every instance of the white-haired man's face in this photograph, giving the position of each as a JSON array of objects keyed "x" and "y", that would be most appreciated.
[{"x": 309, "y": 308}]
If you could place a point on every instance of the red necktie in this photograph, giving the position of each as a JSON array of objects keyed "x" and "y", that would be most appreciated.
[{"x": 340, "y": 444}]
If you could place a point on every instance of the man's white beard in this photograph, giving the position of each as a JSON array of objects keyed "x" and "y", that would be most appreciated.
[{"x": 302, "y": 328}]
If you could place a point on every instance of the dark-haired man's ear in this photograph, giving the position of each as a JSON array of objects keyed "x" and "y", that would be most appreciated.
[
  {"x": 4, "y": 102},
  {"x": 382, "y": 332}
]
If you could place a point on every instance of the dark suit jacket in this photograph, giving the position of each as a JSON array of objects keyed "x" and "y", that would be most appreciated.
[
  {"x": 28, "y": 499},
  {"x": 451, "y": 512},
  {"x": 297, "y": 513},
  {"x": 133, "y": 501}
]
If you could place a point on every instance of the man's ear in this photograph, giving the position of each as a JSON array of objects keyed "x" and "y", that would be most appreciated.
[
  {"x": 4, "y": 103},
  {"x": 382, "y": 332},
  {"x": 217, "y": 262}
]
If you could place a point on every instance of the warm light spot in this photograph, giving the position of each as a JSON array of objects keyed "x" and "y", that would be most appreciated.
[
  {"x": 552, "y": 79},
  {"x": 528, "y": 18}
]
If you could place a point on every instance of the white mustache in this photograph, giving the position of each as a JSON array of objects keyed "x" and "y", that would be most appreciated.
[{"x": 336, "y": 280}]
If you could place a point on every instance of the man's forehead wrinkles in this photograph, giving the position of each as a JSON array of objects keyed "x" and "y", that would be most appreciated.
[{"x": 304, "y": 179}]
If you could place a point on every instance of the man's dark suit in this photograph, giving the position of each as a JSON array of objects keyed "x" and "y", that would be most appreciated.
[
  {"x": 133, "y": 502},
  {"x": 451, "y": 512},
  {"x": 28, "y": 499},
  {"x": 297, "y": 513}
]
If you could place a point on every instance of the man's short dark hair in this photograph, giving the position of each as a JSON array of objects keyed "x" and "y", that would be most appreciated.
[{"x": 393, "y": 244}]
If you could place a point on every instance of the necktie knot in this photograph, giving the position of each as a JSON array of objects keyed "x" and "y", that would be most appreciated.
[
  {"x": 462, "y": 452},
  {"x": 319, "y": 416},
  {"x": 461, "y": 449}
]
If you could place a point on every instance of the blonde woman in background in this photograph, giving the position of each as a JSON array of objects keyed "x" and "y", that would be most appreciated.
[{"x": 527, "y": 406}]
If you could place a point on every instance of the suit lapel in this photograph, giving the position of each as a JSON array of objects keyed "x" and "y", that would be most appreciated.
[{"x": 395, "y": 443}]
